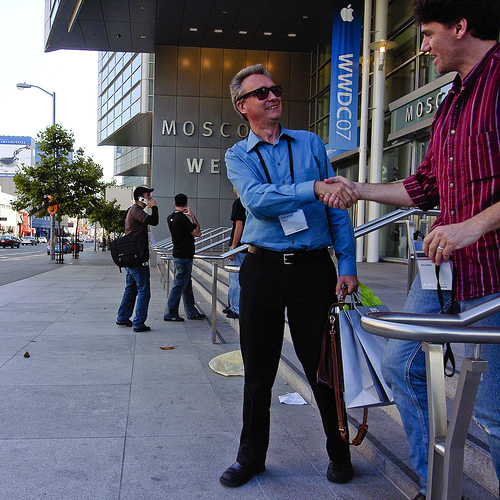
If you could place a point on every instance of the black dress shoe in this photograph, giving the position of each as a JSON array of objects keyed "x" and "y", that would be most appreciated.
[
  {"x": 124, "y": 323},
  {"x": 237, "y": 475},
  {"x": 198, "y": 316},
  {"x": 142, "y": 328},
  {"x": 339, "y": 473}
]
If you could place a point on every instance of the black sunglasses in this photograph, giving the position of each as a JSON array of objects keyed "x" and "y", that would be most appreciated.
[{"x": 263, "y": 92}]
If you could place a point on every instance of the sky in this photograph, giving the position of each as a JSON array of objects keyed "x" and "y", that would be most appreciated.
[{"x": 72, "y": 75}]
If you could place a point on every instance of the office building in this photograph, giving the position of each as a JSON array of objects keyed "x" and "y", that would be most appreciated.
[{"x": 165, "y": 68}]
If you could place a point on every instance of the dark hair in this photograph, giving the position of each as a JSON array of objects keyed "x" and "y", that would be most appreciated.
[
  {"x": 483, "y": 16},
  {"x": 235, "y": 85},
  {"x": 181, "y": 200}
]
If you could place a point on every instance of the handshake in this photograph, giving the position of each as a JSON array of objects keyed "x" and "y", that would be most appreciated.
[{"x": 337, "y": 192}]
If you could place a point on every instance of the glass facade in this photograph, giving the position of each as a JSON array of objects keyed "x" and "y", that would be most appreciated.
[
  {"x": 126, "y": 84},
  {"x": 128, "y": 161}
]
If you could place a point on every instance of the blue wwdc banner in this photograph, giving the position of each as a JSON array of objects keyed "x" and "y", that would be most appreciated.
[{"x": 346, "y": 41}]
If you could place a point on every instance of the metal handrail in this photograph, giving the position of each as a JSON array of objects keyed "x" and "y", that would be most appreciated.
[
  {"x": 384, "y": 220},
  {"x": 436, "y": 328}
]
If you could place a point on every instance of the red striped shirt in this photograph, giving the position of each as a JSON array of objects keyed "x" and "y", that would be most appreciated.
[{"x": 461, "y": 171}]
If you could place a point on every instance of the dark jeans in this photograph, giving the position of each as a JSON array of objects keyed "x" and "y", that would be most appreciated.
[
  {"x": 306, "y": 290},
  {"x": 182, "y": 287},
  {"x": 137, "y": 286}
]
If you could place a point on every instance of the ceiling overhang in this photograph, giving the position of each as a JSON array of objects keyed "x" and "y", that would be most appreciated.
[{"x": 140, "y": 25}]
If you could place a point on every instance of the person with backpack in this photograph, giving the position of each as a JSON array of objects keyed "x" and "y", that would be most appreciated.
[{"x": 137, "y": 290}]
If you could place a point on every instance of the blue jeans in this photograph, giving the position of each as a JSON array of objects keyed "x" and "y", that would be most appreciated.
[
  {"x": 182, "y": 287},
  {"x": 403, "y": 366},
  {"x": 137, "y": 286},
  {"x": 233, "y": 294}
]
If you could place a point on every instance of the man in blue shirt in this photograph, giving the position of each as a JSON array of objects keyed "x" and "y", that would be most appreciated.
[{"x": 279, "y": 175}]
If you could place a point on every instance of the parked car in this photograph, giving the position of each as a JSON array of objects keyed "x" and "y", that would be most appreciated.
[
  {"x": 42, "y": 239},
  {"x": 7, "y": 240},
  {"x": 66, "y": 246},
  {"x": 29, "y": 240}
]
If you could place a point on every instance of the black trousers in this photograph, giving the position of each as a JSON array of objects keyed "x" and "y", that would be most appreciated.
[{"x": 305, "y": 289}]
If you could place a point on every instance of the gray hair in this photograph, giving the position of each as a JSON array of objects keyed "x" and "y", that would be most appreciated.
[{"x": 235, "y": 85}]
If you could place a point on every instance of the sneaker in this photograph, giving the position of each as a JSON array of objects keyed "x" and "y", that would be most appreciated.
[
  {"x": 198, "y": 316},
  {"x": 124, "y": 323},
  {"x": 142, "y": 328},
  {"x": 232, "y": 315},
  {"x": 226, "y": 310},
  {"x": 174, "y": 318}
]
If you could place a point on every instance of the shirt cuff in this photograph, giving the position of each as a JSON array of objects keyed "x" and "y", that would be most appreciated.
[
  {"x": 305, "y": 192},
  {"x": 347, "y": 267}
]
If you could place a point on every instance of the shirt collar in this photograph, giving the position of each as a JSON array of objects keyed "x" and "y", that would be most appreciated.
[
  {"x": 470, "y": 79},
  {"x": 253, "y": 139}
]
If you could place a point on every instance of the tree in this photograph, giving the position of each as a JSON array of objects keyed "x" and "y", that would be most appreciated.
[
  {"x": 109, "y": 215},
  {"x": 85, "y": 186},
  {"x": 73, "y": 185},
  {"x": 41, "y": 185}
]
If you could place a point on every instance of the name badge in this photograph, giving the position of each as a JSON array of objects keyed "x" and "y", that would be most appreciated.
[
  {"x": 427, "y": 271},
  {"x": 294, "y": 222}
]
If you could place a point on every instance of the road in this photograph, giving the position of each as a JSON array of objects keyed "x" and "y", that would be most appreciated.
[{"x": 26, "y": 261}]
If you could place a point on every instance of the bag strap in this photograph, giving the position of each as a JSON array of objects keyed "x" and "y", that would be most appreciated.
[
  {"x": 448, "y": 356},
  {"x": 338, "y": 379}
]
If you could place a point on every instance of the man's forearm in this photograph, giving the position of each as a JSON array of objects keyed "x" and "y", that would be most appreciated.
[
  {"x": 393, "y": 193},
  {"x": 237, "y": 234}
]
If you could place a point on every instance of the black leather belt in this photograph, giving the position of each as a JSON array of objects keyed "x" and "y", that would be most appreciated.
[{"x": 288, "y": 257}]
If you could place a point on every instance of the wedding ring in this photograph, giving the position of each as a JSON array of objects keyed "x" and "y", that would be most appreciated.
[{"x": 440, "y": 248}]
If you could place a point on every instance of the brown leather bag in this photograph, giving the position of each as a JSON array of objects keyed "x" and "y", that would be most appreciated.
[{"x": 331, "y": 373}]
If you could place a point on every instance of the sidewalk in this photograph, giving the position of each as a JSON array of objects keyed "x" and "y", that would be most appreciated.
[{"x": 100, "y": 412}]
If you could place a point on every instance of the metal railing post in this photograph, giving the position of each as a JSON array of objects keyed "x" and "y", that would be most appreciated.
[
  {"x": 436, "y": 400},
  {"x": 215, "y": 267},
  {"x": 456, "y": 437}
]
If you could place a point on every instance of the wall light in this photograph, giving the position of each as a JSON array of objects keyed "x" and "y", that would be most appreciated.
[{"x": 382, "y": 46}]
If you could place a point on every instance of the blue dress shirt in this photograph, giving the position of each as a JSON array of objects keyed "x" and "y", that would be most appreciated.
[{"x": 265, "y": 201}]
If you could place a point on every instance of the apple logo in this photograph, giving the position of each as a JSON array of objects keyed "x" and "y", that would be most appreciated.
[{"x": 346, "y": 14}]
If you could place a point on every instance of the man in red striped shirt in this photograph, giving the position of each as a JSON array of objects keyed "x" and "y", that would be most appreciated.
[{"x": 461, "y": 174}]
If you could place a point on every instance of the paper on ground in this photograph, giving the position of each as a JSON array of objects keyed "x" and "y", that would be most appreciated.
[{"x": 292, "y": 399}]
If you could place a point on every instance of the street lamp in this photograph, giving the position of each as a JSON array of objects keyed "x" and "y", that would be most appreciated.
[{"x": 22, "y": 86}]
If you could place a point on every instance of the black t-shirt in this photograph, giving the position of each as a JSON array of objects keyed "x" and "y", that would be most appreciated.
[
  {"x": 181, "y": 227},
  {"x": 238, "y": 212}
]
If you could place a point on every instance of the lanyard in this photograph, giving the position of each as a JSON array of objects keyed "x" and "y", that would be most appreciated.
[{"x": 268, "y": 177}]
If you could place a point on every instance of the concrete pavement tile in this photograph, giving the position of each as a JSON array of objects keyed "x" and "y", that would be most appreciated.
[
  {"x": 150, "y": 342},
  {"x": 67, "y": 369},
  {"x": 66, "y": 326},
  {"x": 182, "y": 468},
  {"x": 167, "y": 366},
  {"x": 175, "y": 408},
  {"x": 28, "y": 317},
  {"x": 60, "y": 468},
  {"x": 11, "y": 345},
  {"x": 63, "y": 411},
  {"x": 80, "y": 344},
  {"x": 276, "y": 484}
]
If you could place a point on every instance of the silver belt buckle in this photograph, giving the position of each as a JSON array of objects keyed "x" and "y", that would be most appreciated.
[{"x": 285, "y": 258}]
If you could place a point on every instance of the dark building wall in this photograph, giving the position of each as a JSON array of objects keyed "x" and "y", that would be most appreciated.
[{"x": 192, "y": 92}]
